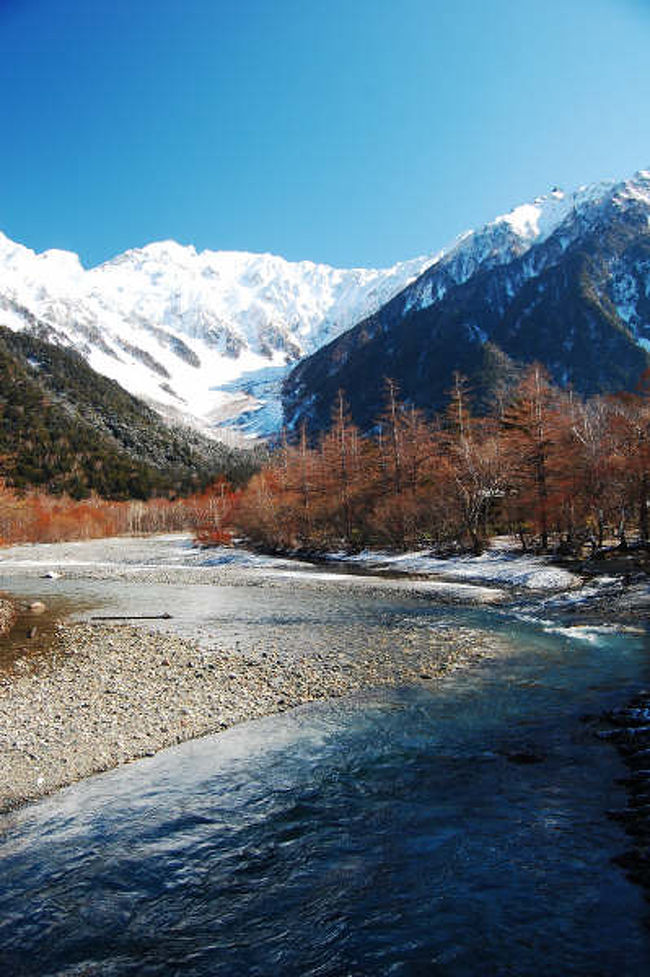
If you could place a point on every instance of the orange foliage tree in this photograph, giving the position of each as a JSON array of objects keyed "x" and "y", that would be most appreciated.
[{"x": 546, "y": 465}]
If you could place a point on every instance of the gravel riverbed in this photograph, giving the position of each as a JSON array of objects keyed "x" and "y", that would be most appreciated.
[
  {"x": 109, "y": 694},
  {"x": 7, "y": 615}
]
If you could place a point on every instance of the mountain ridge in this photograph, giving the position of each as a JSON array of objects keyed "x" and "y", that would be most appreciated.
[
  {"x": 66, "y": 429},
  {"x": 208, "y": 338},
  {"x": 571, "y": 292},
  {"x": 174, "y": 325}
]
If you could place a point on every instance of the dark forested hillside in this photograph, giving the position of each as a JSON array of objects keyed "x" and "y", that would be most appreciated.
[{"x": 65, "y": 428}]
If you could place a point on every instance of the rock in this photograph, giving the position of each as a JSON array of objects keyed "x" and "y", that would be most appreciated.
[
  {"x": 37, "y": 607},
  {"x": 631, "y": 737},
  {"x": 629, "y": 717},
  {"x": 627, "y": 860},
  {"x": 626, "y": 734},
  {"x": 630, "y": 814},
  {"x": 637, "y": 759}
]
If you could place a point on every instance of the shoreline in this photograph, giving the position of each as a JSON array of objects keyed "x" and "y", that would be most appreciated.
[
  {"x": 615, "y": 588},
  {"x": 111, "y": 694},
  {"x": 108, "y": 694}
]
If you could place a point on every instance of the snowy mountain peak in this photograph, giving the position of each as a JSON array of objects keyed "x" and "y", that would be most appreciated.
[
  {"x": 563, "y": 281},
  {"x": 513, "y": 234},
  {"x": 535, "y": 222},
  {"x": 53, "y": 264},
  {"x": 178, "y": 327},
  {"x": 166, "y": 252},
  {"x": 636, "y": 189}
]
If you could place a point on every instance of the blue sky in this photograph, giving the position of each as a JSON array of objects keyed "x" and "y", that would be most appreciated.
[{"x": 356, "y": 133}]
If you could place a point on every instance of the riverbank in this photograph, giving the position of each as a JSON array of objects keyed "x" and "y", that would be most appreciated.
[
  {"x": 614, "y": 587},
  {"x": 245, "y": 641},
  {"x": 111, "y": 694}
]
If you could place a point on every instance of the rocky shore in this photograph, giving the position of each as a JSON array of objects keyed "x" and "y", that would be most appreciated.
[{"x": 113, "y": 693}]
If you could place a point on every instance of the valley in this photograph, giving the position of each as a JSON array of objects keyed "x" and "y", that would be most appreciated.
[{"x": 324, "y": 489}]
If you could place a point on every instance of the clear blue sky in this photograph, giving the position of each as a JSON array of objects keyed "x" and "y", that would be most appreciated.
[{"x": 356, "y": 132}]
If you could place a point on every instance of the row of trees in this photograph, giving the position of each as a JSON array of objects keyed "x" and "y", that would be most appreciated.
[
  {"x": 546, "y": 465},
  {"x": 552, "y": 468},
  {"x": 37, "y": 517}
]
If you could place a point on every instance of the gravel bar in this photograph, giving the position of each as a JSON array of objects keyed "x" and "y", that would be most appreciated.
[{"x": 109, "y": 694}]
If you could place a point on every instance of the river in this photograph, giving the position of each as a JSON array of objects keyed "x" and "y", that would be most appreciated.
[{"x": 391, "y": 833}]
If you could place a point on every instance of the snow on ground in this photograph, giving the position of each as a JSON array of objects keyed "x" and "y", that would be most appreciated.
[
  {"x": 495, "y": 566},
  {"x": 174, "y": 554},
  {"x": 173, "y": 550},
  {"x": 500, "y": 566}
]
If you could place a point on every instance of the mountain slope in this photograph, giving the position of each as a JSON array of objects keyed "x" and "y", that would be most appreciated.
[
  {"x": 67, "y": 429},
  {"x": 180, "y": 328},
  {"x": 565, "y": 281}
]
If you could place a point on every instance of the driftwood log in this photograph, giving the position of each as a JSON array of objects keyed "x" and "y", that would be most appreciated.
[{"x": 133, "y": 617}]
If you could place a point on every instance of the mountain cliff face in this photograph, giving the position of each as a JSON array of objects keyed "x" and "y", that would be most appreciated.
[
  {"x": 564, "y": 281},
  {"x": 180, "y": 328}
]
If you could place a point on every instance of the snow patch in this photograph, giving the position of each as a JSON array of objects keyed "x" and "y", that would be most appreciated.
[{"x": 494, "y": 567}]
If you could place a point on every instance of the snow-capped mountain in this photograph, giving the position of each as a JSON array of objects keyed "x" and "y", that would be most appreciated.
[
  {"x": 564, "y": 280},
  {"x": 511, "y": 235},
  {"x": 209, "y": 337},
  {"x": 181, "y": 328}
]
